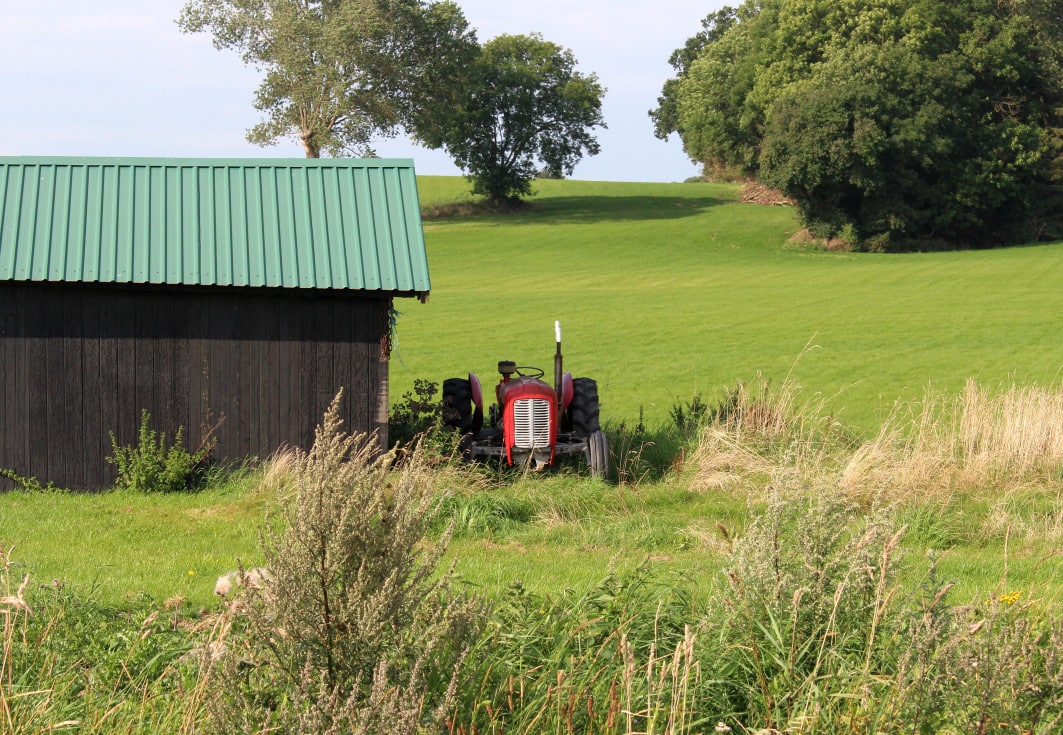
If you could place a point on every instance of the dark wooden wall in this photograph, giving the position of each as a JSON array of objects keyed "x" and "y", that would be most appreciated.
[{"x": 80, "y": 361}]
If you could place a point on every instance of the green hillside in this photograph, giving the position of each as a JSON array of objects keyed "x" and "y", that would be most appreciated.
[{"x": 668, "y": 290}]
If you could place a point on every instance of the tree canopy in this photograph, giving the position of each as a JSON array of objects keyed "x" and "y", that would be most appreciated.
[
  {"x": 892, "y": 123},
  {"x": 665, "y": 116},
  {"x": 339, "y": 73},
  {"x": 523, "y": 103}
]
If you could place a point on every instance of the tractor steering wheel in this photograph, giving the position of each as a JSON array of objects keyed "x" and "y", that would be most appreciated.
[{"x": 533, "y": 372}]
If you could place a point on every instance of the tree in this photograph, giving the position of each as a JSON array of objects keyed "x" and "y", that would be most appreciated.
[
  {"x": 524, "y": 103},
  {"x": 892, "y": 123},
  {"x": 339, "y": 72},
  {"x": 713, "y": 27}
]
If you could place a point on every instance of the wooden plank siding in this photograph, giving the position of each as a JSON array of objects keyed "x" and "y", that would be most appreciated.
[{"x": 79, "y": 361}]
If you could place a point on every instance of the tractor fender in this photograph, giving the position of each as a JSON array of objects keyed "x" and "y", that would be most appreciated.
[
  {"x": 477, "y": 391},
  {"x": 566, "y": 390},
  {"x": 478, "y": 403}
]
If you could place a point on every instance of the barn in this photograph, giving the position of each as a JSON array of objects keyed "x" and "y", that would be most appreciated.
[{"x": 229, "y": 295}]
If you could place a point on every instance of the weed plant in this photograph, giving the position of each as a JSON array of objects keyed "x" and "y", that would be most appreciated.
[
  {"x": 352, "y": 630},
  {"x": 417, "y": 414},
  {"x": 156, "y": 465}
]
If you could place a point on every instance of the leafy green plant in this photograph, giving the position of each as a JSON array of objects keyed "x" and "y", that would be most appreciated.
[
  {"x": 29, "y": 484},
  {"x": 417, "y": 413},
  {"x": 155, "y": 465},
  {"x": 689, "y": 416}
]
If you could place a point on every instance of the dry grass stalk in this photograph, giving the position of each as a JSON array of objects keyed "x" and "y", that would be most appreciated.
[
  {"x": 1019, "y": 431},
  {"x": 977, "y": 440},
  {"x": 760, "y": 430},
  {"x": 722, "y": 461}
]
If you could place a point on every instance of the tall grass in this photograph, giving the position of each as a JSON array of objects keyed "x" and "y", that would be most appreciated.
[
  {"x": 616, "y": 658},
  {"x": 978, "y": 440},
  {"x": 70, "y": 664},
  {"x": 820, "y": 617}
]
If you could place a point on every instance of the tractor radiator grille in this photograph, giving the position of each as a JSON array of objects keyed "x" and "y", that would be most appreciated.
[{"x": 531, "y": 423}]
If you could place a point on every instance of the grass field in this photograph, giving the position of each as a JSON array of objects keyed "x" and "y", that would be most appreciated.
[{"x": 668, "y": 290}]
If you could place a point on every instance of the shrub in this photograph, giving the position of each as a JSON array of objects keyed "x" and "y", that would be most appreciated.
[
  {"x": 156, "y": 466},
  {"x": 354, "y": 631},
  {"x": 418, "y": 417}
]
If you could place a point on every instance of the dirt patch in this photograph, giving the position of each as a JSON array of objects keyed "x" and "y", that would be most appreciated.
[
  {"x": 754, "y": 192},
  {"x": 805, "y": 239}
]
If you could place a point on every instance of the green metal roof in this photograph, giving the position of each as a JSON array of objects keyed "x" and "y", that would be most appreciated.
[{"x": 299, "y": 223}]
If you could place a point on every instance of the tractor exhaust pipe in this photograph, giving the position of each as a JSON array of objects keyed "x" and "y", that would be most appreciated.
[{"x": 558, "y": 362}]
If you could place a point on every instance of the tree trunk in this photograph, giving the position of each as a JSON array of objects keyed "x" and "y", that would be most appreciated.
[{"x": 310, "y": 146}]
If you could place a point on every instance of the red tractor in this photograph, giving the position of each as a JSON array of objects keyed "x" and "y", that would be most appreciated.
[{"x": 531, "y": 423}]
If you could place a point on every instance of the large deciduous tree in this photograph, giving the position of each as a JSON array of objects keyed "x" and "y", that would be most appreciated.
[
  {"x": 339, "y": 73},
  {"x": 892, "y": 123},
  {"x": 525, "y": 109}
]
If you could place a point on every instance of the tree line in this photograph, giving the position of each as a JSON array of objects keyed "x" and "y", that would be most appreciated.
[
  {"x": 340, "y": 73},
  {"x": 893, "y": 124}
]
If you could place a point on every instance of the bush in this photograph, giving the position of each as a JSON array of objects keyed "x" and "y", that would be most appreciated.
[
  {"x": 353, "y": 630},
  {"x": 418, "y": 412},
  {"x": 154, "y": 466}
]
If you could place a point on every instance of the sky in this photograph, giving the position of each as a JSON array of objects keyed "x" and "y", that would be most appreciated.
[{"x": 118, "y": 78}]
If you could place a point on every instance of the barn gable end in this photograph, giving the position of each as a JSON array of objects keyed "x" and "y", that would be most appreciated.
[{"x": 245, "y": 292}]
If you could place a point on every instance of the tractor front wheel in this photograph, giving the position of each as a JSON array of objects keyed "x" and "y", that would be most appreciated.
[{"x": 598, "y": 455}]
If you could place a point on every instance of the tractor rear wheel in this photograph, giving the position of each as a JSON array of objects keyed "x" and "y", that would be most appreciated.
[
  {"x": 583, "y": 410},
  {"x": 598, "y": 455},
  {"x": 457, "y": 404}
]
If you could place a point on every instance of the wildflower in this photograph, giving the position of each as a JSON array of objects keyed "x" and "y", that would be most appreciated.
[{"x": 191, "y": 572}]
